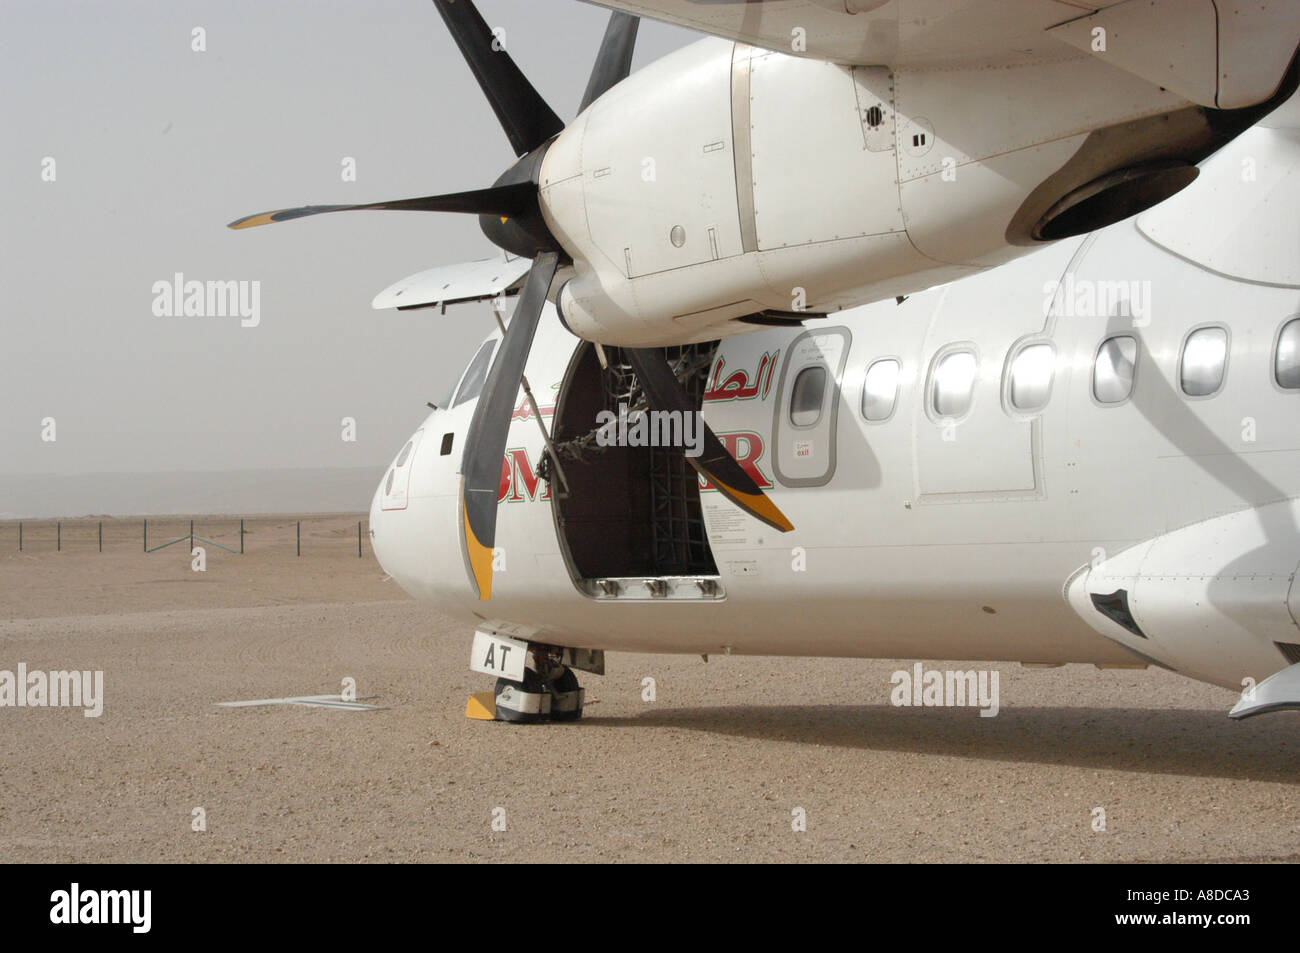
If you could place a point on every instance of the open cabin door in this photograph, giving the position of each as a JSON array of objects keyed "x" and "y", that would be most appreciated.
[{"x": 631, "y": 526}]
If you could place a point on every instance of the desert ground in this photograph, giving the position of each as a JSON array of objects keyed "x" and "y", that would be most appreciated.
[{"x": 714, "y": 769}]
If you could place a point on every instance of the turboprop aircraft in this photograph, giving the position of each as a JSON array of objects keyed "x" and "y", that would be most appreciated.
[
  {"x": 1091, "y": 454},
  {"x": 739, "y": 185}
]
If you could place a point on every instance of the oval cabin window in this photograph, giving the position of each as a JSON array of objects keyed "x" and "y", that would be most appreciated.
[
  {"x": 806, "y": 396},
  {"x": 1113, "y": 370},
  {"x": 880, "y": 390},
  {"x": 1031, "y": 377},
  {"x": 1205, "y": 355},
  {"x": 953, "y": 384}
]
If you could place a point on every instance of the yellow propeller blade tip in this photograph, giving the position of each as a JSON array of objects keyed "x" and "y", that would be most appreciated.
[
  {"x": 262, "y": 219},
  {"x": 480, "y": 561},
  {"x": 759, "y": 505}
]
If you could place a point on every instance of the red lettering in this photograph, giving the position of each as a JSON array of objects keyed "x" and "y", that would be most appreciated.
[
  {"x": 523, "y": 486},
  {"x": 747, "y": 448}
]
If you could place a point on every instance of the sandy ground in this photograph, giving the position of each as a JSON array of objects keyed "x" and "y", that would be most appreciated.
[{"x": 713, "y": 769}]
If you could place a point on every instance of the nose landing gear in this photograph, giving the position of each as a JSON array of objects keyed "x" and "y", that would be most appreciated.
[{"x": 543, "y": 689}]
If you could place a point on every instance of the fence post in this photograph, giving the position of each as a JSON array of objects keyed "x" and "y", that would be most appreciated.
[
  {"x": 146, "y": 536},
  {"x": 299, "y": 537},
  {"x": 58, "y": 546},
  {"x": 241, "y": 537},
  {"x": 101, "y": 536},
  {"x": 358, "y": 539}
]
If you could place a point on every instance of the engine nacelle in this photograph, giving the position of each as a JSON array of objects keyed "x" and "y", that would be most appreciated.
[{"x": 725, "y": 182}]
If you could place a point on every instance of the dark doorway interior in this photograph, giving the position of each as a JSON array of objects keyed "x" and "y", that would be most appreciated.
[{"x": 630, "y": 511}]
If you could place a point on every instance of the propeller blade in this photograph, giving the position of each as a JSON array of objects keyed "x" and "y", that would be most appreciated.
[
  {"x": 664, "y": 392},
  {"x": 506, "y": 201},
  {"x": 614, "y": 61},
  {"x": 523, "y": 114},
  {"x": 485, "y": 444}
]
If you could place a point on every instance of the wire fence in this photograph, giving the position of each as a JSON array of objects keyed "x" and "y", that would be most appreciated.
[{"x": 300, "y": 536}]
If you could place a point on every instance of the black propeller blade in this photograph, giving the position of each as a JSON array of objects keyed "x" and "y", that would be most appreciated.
[
  {"x": 664, "y": 392},
  {"x": 489, "y": 428},
  {"x": 614, "y": 61},
  {"x": 506, "y": 201},
  {"x": 520, "y": 109}
]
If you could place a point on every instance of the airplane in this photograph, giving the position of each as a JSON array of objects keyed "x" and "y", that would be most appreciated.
[
  {"x": 1041, "y": 441},
  {"x": 1089, "y": 455}
]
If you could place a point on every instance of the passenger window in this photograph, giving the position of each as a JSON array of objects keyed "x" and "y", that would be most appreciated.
[
  {"x": 1031, "y": 377},
  {"x": 1112, "y": 373},
  {"x": 953, "y": 384},
  {"x": 1205, "y": 354},
  {"x": 1286, "y": 365},
  {"x": 806, "y": 396},
  {"x": 472, "y": 385},
  {"x": 880, "y": 390}
]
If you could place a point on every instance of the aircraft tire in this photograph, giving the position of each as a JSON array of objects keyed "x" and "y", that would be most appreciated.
[
  {"x": 567, "y": 697},
  {"x": 527, "y": 702}
]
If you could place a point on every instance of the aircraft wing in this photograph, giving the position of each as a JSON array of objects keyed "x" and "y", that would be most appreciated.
[
  {"x": 1218, "y": 53},
  {"x": 453, "y": 284}
]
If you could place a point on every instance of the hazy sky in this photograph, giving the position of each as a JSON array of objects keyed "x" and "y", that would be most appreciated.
[{"x": 156, "y": 147}]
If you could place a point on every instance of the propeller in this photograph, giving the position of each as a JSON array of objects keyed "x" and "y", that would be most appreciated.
[
  {"x": 510, "y": 215},
  {"x": 503, "y": 201},
  {"x": 489, "y": 428},
  {"x": 520, "y": 109},
  {"x": 614, "y": 61}
]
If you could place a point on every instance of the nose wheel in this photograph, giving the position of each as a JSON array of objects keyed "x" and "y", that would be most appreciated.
[
  {"x": 545, "y": 689},
  {"x": 536, "y": 699},
  {"x": 523, "y": 703}
]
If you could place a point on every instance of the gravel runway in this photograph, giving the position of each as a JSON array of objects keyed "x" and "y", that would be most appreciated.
[{"x": 718, "y": 767}]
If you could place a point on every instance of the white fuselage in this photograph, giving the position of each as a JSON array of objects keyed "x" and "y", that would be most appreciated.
[{"x": 955, "y": 534}]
